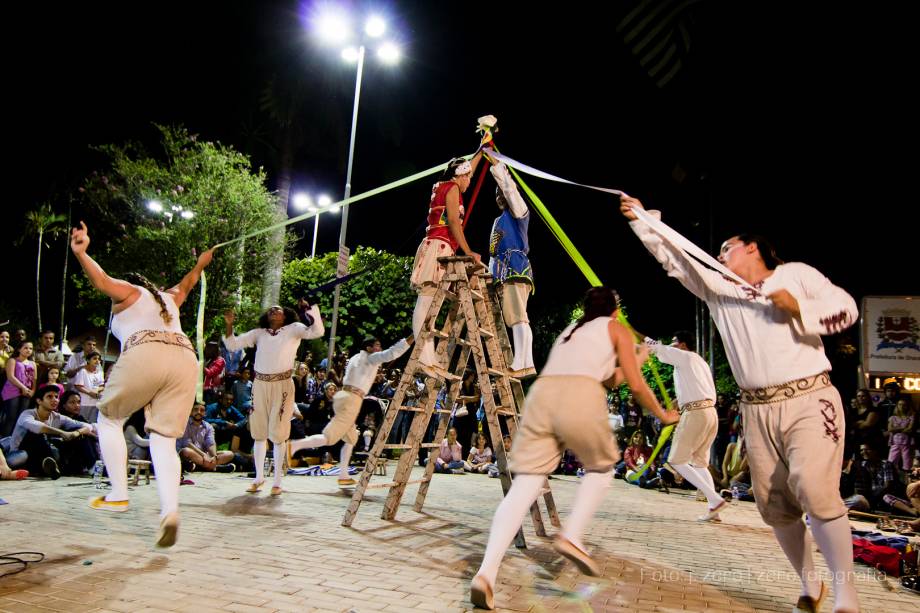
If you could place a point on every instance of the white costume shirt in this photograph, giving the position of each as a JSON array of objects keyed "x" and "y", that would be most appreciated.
[
  {"x": 765, "y": 345},
  {"x": 362, "y": 368},
  {"x": 276, "y": 349},
  {"x": 692, "y": 377},
  {"x": 589, "y": 353}
]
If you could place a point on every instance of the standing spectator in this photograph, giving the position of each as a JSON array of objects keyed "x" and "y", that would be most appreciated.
[
  {"x": 90, "y": 382},
  {"x": 78, "y": 360},
  {"x": 632, "y": 416},
  {"x": 890, "y": 401},
  {"x": 19, "y": 387},
  {"x": 48, "y": 356},
  {"x": 242, "y": 391},
  {"x": 6, "y": 350},
  {"x": 213, "y": 373},
  {"x": 314, "y": 385},
  {"x": 868, "y": 422},
  {"x": 233, "y": 362},
  {"x": 52, "y": 376},
  {"x": 900, "y": 430}
]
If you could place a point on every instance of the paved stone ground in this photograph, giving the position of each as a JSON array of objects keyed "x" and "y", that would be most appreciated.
[{"x": 240, "y": 552}]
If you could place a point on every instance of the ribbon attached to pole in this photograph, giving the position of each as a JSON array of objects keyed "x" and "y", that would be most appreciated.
[{"x": 199, "y": 331}]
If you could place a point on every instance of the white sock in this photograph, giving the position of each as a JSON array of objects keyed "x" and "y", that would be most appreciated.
[
  {"x": 367, "y": 440},
  {"x": 168, "y": 468},
  {"x": 588, "y": 498},
  {"x": 697, "y": 476},
  {"x": 518, "y": 334},
  {"x": 279, "y": 451},
  {"x": 508, "y": 518},
  {"x": 311, "y": 442},
  {"x": 422, "y": 303},
  {"x": 114, "y": 454},
  {"x": 259, "y": 449},
  {"x": 345, "y": 460},
  {"x": 527, "y": 343},
  {"x": 794, "y": 540},
  {"x": 836, "y": 544}
]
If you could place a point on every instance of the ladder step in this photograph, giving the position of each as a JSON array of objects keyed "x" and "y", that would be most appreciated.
[
  {"x": 435, "y": 372},
  {"x": 394, "y": 483},
  {"x": 422, "y": 410},
  {"x": 476, "y": 295},
  {"x": 497, "y": 373},
  {"x": 485, "y": 333},
  {"x": 445, "y": 336},
  {"x": 422, "y": 446}
]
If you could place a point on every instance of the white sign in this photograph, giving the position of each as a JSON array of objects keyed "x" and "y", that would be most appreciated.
[
  {"x": 342, "y": 269},
  {"x": 891, "y": 334}
]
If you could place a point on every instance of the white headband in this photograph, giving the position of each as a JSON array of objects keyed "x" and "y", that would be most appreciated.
[{"x": 462, "y": 169}]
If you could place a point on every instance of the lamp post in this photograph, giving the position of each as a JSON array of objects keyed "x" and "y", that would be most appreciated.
[
  {"x": 334, "y": 27},
  {"x": 303, "y": 202}
]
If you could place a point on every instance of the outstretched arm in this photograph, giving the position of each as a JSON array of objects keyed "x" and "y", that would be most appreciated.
[
  {"x": 190, "y": 280},
  {"x": 116, "y": 289},
  {"x": 626, "y": 354}
]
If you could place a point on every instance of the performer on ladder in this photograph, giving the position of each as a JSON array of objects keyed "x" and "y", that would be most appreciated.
[
  {"x": 276, "y": 341},
  {"x": 510, "y": 267},
  {"x": 443, "y": 236},
  {"x": 157, "y": 371},
  {"x": 359, "y": 376},
  {"x": 566, "y": 408},
  {"x": 793, "y": 416},
  {"x": 699, "y": 423}
]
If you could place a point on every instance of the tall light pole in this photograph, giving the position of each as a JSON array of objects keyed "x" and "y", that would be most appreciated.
[
  {"x": 303, "y": 202},
  {"x": 334, "y": 28}
]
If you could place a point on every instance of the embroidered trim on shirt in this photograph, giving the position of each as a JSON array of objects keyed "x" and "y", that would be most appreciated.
[
  {"x": 697, "y": 404},
  {"x": 785, "y": 391},
  {"x": 281, "y": 376},
  {"x": 157, "y": 336}
]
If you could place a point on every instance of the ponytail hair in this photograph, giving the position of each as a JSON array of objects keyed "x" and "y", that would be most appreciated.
[
  {"x": 599, "y": 302},
  {"x": 138, "y": 279}
]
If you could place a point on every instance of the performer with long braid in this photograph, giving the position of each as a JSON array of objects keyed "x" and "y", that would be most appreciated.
[
  {"x": 793, "y": 416},
  {"x": 157, "y": 371},
  {"x": 566, "y": 408},
  {"x": 276, "y": 341}
]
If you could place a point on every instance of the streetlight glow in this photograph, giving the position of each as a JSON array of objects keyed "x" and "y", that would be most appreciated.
[
  {"x": 301, "y": 201},
  {"x": 155, "y": 206},
  {"x": 332, "y": 27},
  {"x": 375, "y": 26},
  {"x": 324, "y": 200},
  {"x": 388, "y": 53},
  {"x": 350, "y": 54}
]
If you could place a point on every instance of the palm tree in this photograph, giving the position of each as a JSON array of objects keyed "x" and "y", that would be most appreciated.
[{"x": 40, "y": 222}]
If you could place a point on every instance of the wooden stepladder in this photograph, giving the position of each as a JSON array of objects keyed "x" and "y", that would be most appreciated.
[{"x": 472, "y": 327}]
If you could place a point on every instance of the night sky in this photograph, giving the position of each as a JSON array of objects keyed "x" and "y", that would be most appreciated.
[{"x": 796, "y": 125}]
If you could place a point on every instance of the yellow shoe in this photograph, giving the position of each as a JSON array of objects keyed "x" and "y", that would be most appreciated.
[
  {"x": 347, "y": 482},
  {"x": 276, "y": 491},
  {"x": 254, "y": 487},
  {"x": 481, "y": 593},
  {"x": 807, "y": 604},
  {"x": 101, "y": 504},
  {"x": 169, "y": 530}
]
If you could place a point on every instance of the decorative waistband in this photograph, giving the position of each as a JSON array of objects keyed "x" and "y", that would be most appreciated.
[
  {"x": 281, "y": 376},
  {"x": 157, "y": 336},
  {"x": 357, "y": 391},
  {"x": 697, "y": 404},
  {"x": 785, "y": 391}
]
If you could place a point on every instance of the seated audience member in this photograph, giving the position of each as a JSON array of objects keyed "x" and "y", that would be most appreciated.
[
  {"x": 9, "y": 474},
  {"x": 450, "y": 455},
  {"x": 225, "y": 418},
  {"x": 480, "y": 456},
  {"x": 197, "y": 445},
  {"x": 635, "y": 455},
  {"x": 138, "y": 444},
  {"x": 55, "y": 444},
  {"x": 492, "y": 469},
  {"x": 872, "y": 477}
]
